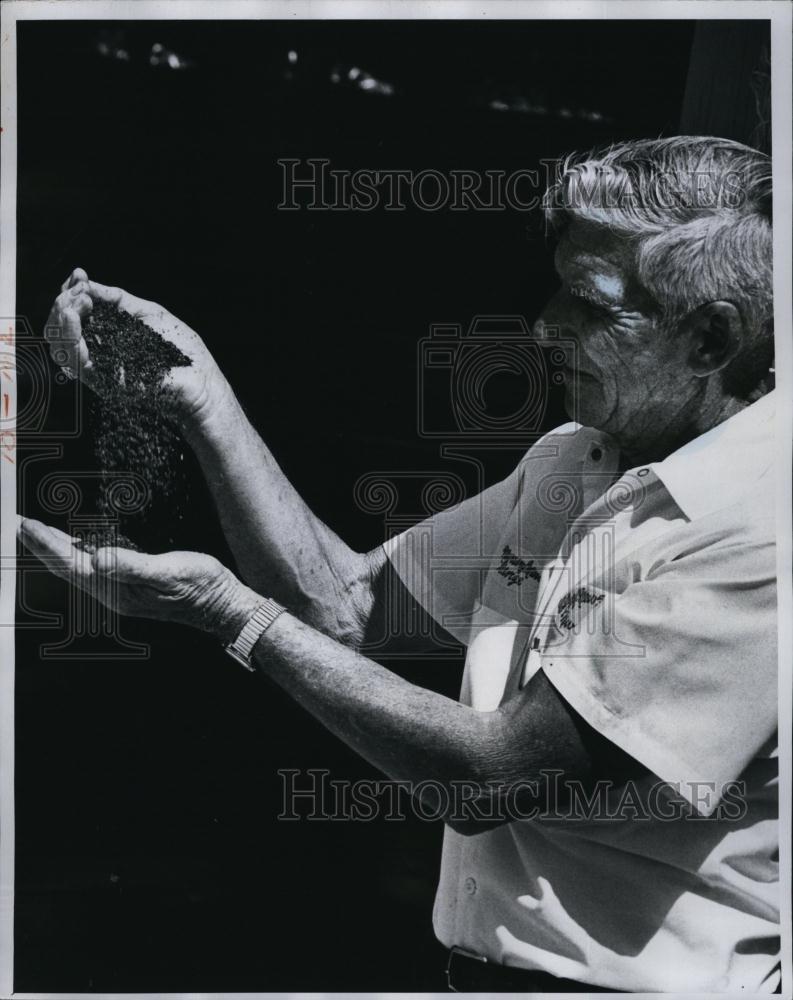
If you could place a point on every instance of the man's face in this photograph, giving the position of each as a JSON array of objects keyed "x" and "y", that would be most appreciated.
[{"x": 625, "y": 375}]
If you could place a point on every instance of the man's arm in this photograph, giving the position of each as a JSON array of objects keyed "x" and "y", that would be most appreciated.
[
  {"x": 411, "y": 734},
  {"x": 524, "y": 755},
  {"x": 284, "y": 550},
  {"x": 281, "y": 547}
]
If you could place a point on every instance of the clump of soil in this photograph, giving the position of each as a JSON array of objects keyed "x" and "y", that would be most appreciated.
[
  {"x": 98, "y": 538},
  {"x": 133, "y": 432}
]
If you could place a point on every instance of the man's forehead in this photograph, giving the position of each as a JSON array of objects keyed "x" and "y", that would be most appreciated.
[
  {"x": 594, "y": 248},
  {"x": 593, "y": 254}
]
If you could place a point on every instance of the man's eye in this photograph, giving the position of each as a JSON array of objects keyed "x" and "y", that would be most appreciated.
[{"x": 592, "y": 305}]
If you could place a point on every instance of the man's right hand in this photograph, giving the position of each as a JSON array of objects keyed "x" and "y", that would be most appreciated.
[
  {"x": 193, "y": 390},
  {"x": 281, "y": 548}
]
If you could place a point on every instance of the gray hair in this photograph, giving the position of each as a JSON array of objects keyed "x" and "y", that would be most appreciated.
[{"x": 698, "y": 209}]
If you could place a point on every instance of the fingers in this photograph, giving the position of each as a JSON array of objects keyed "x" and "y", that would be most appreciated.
[
  {"x": 64, "y": 328},
  {"x": 72, "y": 345},
  {"x": 78, "y": 282},
  {"x": 186, "y": 587},
  {"x": 67, "y": 346},
  {"x": 75, "y": 298},
  {"x": 57, "y": 551},
  {"x": 116, "y": 297},
  {"x": 44, "y": 536},
  {"x": 78, "y": 274},
  {"x": 96, "y": 573},
  {"x": 64, "y": 331}
]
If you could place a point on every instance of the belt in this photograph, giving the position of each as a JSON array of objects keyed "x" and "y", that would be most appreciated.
[{"x": 470, "y": 974}]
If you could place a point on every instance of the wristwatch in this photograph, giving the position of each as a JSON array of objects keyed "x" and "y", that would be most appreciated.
[{"x": 261, "y": 619}]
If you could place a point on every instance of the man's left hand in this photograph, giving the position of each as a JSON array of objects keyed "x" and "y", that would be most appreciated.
[{"x": 189, "y": 588}]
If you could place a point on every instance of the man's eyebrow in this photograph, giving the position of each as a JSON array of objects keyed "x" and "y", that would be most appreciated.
[
  {"x": 585, "y": 290},
  {"x": 581, "y": 282}
]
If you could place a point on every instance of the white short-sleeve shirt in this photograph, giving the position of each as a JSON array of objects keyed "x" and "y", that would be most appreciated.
[{"x": 649, "y": 601}]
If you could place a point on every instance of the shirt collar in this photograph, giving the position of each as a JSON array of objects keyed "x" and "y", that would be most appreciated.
[{"x": 716, "y": 468}]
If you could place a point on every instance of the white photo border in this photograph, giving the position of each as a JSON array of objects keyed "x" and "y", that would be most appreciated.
[{"x": 780, "y": 15}]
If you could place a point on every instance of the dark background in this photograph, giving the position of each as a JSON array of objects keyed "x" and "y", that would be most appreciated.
[{"x": 148, "y": 854}]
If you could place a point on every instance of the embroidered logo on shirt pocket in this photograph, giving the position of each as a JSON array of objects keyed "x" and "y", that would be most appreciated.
[
  {"x": 516, "y": 570},
  {"x": 572, "y": 602}
]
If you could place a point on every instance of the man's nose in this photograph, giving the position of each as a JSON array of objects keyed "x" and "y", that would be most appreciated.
[
  {"x": 542, "y": 330},
  {"x": 554, "y": 320},
  {"x": 547, "y": 325}
]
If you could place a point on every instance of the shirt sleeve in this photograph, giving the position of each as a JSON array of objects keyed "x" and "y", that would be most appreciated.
[
  {"x": 680, "y": 669},
  {"x": 444, "y": 560}
]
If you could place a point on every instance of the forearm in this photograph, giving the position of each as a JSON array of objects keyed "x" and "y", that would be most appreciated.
[
  {"x": 409, "y": 733},
  {"x": 483, "y": 761},
  {"x": 281, "y": 548}
]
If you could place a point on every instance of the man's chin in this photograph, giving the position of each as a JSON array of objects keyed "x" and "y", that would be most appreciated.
[{"x": 585, "y": 402}]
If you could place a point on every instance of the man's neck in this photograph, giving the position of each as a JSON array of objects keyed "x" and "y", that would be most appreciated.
[{"x": 667, "y": 437}]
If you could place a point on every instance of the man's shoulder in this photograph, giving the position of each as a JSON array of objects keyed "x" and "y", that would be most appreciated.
[
  {"x": 749, "y": 520},
  {"x": 561, "y": 441}
]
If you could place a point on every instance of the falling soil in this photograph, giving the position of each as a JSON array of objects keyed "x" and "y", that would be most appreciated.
[{"x": 132, "y": 430}]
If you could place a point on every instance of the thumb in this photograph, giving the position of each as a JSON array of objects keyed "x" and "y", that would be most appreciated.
[{"x": 126, "y": 565}]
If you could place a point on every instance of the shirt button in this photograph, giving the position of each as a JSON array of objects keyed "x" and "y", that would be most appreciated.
[{"x": 470, "y": 886}]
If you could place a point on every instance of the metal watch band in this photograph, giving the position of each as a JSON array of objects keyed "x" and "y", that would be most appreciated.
[{"x": 261, "y": 619}]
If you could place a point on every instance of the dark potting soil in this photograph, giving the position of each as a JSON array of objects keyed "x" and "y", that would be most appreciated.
[
  {"x": 99, "y": 538},
  {"x": 132, "y": 430}
]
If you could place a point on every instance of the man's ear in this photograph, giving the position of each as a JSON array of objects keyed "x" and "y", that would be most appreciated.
[{"x": 715, "y": 333}]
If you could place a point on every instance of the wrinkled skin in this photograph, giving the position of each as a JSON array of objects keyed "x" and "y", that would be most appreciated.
[
  {"x": 186, "y": 587},
  {"x": 188, "y": 388},
  {"x": 651, "y": 391}
]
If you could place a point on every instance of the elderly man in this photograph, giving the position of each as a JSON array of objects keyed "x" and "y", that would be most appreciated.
[{"x": 615, "y": 736}]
